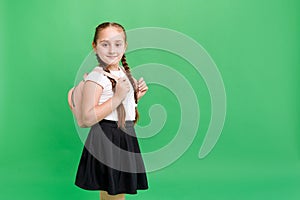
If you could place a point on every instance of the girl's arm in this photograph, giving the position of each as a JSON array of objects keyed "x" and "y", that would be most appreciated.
[{"x": 92, "y": 112}]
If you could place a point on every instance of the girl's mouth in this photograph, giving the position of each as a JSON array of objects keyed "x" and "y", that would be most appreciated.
[{"x": 112, "y": 57}]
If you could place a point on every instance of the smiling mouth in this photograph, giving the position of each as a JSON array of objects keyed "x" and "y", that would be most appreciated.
[{"x": 112, "y": 57}]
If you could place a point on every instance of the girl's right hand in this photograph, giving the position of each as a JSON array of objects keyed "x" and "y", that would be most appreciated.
[{"x": 122, "y": 88}]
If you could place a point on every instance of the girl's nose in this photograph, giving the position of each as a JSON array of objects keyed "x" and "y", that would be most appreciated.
[{"x": 111, "y": 49}]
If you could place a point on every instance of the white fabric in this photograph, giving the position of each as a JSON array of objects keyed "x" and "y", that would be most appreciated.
[{"x": 107, "y": 93}]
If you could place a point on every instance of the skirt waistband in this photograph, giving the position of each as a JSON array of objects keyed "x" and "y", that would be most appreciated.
[{"x": 112, "y": 123}]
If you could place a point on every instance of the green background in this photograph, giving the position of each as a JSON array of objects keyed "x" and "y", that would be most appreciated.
[{"x": 255, "y": 45}]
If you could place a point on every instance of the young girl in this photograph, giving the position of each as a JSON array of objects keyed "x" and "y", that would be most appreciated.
[{"x": 109, "y": 107}]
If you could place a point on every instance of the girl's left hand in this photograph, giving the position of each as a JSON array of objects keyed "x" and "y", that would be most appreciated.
[{"x": 142, "y": 88}]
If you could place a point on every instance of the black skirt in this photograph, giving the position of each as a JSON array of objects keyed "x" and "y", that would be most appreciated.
[{"x": 111, "y": 160}]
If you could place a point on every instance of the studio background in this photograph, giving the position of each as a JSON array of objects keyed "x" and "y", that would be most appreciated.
[{"x": 255, "y": 46}]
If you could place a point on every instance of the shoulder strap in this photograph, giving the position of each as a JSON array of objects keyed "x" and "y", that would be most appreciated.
[
  {"x": 122, "y": 68},
  {"x": 100, "y": 70}
]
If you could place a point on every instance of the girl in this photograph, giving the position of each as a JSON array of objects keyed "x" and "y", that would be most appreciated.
[{"x": 109, "y": 99}]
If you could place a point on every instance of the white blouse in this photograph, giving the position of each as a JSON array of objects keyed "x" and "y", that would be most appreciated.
[{"x": 107, "y": 93}]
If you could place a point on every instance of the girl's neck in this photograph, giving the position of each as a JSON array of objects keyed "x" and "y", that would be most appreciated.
[{"x": 114, "y": 68}]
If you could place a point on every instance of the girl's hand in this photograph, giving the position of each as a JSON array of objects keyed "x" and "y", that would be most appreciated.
[
  {"x": 142, "y": 88},
  {"x": 122, "y": 88},
  {"x": 85, "y": 75}
]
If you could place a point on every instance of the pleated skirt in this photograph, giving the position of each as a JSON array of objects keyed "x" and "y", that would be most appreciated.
[{"x": 111, "y": 160}]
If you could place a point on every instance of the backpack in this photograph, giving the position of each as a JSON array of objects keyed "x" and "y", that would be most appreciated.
[{"x": 75, "y": 96}]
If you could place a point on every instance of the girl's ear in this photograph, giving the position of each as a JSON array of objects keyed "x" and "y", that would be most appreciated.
[
  {"x": 125, "y": 48},
  {"x": 94, "y": 46}
]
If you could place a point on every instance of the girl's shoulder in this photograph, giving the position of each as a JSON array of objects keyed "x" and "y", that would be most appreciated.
[{"x": 97, "y": 75}]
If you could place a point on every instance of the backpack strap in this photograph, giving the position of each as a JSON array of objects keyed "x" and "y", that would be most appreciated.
[{"x": 100, "y": 70}]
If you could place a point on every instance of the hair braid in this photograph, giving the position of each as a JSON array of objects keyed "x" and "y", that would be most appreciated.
[
  {"x": 120, "y": 109},
  {"x": 128, "y": 73}
]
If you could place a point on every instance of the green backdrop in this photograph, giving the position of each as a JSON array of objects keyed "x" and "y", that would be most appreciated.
[{"x": 255, "y": 45}]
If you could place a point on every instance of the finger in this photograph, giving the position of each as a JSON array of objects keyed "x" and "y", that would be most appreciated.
[
  {"x": 121, "y": 79},
  {"x": 85, "y": 75},
  {"x": 143, "y": 85},
  {"x": 141, "y": 80},
  {"x": 126, "y": 82},
  {"x": 143, "y": 89}
]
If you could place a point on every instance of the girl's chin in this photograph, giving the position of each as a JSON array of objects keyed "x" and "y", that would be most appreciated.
[
  {"x": 107, "y": 61},
  {"x": 112, "y": 63}
]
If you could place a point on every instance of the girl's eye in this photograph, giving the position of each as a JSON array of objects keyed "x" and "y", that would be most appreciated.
[
  {"x": 118, "y": 44},
  {"x": 104, "y": 44}
]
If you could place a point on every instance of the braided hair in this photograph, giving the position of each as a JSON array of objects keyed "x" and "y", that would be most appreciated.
[
  {"x": 120, "y": 109},
  {"x": 128, "y": 73}
]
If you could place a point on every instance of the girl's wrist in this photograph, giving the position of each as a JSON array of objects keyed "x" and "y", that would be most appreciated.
[{"x": 116, "y": 100}]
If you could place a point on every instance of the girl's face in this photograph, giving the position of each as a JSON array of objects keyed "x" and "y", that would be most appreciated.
[{"x": 110, "y": 45}]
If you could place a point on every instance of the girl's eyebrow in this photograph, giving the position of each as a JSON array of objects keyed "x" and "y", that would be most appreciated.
[{"x": 109, "y": 40}]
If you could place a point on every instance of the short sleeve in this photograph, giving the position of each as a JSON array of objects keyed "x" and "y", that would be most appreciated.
[{"x": 97, "y": 77}]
